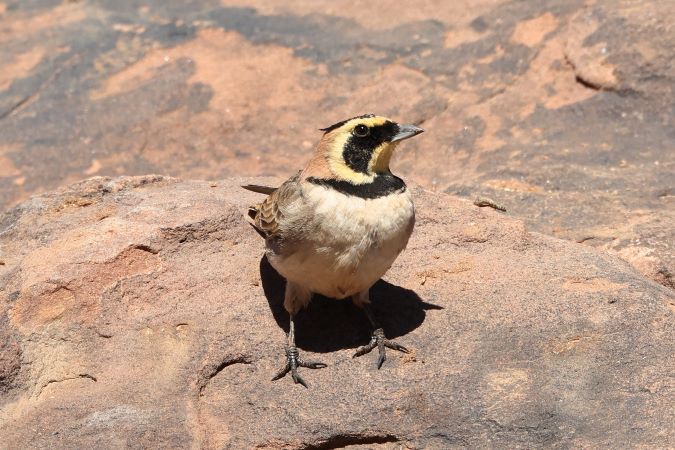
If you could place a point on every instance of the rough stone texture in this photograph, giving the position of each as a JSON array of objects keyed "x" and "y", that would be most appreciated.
[
  {"x": 134, "y": 316},
  {"x": 562, "y": 110}
]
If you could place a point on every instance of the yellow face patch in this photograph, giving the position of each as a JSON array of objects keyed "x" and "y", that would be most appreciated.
[
  {"x": 370, "y": 122},
  {"x": 379, "y": 163}
]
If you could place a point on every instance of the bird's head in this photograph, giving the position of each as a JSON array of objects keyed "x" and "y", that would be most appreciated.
[{"x": 360, "y": 148}]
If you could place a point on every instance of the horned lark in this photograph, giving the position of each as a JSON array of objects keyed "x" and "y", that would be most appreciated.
[{"x": 338, "y": 225}]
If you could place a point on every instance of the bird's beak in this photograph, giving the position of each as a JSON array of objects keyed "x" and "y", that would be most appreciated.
[{"x": 405, "y": 132}]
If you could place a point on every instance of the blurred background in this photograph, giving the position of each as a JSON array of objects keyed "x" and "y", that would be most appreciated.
[{"x": 560, "y": 110}]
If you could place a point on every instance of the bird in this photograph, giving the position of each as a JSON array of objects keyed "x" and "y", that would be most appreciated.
[{"x": 338, "y": 225}]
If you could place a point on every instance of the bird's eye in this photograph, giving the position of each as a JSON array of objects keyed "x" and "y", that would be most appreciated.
[{"x": 361, "y": 130}]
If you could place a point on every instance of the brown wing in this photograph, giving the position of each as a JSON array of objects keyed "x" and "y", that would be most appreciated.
[{"x": 267, "y": 216}]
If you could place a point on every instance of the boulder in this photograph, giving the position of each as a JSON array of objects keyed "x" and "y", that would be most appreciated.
[
  {"x": 560, "y": 110},
  {"x": 138, "y": 312}
]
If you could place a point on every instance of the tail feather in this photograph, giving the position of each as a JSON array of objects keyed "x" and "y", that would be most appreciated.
[{"x": 259, "y": 189}]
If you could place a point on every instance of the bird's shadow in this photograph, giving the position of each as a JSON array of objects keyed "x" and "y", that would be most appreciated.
[{"x": 327, "y": 325}]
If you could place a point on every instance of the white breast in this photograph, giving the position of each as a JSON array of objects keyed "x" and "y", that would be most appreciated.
[{"x": 350, "y": 242}]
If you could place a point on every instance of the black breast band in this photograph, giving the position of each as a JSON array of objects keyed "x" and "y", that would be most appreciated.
[{"x": 381, "y": 186}]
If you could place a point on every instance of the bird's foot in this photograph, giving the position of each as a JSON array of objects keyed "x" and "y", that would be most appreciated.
[
  {"x": 378, "y": 340},
  {"x": 293, "y": 362}
]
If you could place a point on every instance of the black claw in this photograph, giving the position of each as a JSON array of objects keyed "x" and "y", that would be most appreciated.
[
  {"x": 395, "y": 346},
  {"x": 378, "y": 340},
  {"x": 381, "y": 360},
  {"x": 280, "y": 374},
  {"x": 311, "y": 364},
  {"x": 293, "y": 361},
  {"x": 298, "y": 379}
]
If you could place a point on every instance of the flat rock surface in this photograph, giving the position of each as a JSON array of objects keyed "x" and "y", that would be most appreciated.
[
  {"x": 138, "y": 313},
  {"x": 562, "y": 110}
]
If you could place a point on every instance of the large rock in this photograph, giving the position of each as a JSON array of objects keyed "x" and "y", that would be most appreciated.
[
  {"x": 561, "y": 110},
  {"x": 137, "y": 312}
]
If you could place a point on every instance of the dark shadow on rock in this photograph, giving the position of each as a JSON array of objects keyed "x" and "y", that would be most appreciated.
[{"x": 328, "y": 325}]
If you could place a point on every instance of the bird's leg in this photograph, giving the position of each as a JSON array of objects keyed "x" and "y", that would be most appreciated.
[
  {"x": 377, "y": 339},
  {"x": 293, "y": 360}
]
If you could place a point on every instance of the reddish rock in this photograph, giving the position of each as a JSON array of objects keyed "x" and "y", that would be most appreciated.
[
  {"x": 137, "y": 312},
  {"x": 561, "y": 110}
]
